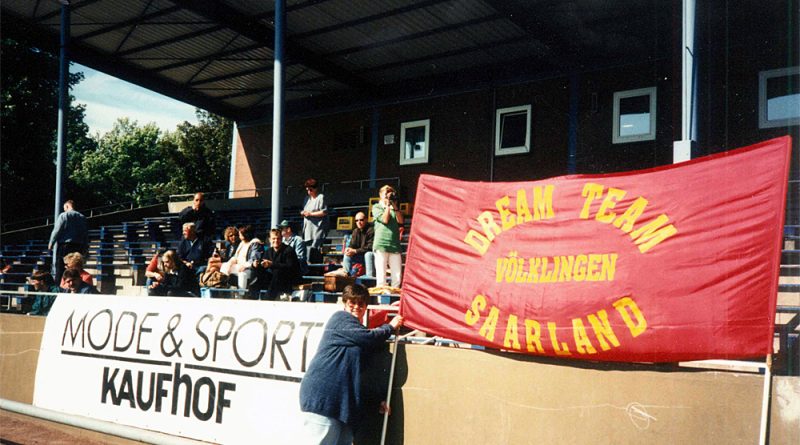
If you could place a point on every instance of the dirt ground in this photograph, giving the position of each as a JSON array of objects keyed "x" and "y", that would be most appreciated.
[{"x": 24, "y": 430}]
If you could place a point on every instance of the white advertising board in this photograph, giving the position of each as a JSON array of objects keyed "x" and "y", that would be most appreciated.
[{"x": 225, "y": 371}]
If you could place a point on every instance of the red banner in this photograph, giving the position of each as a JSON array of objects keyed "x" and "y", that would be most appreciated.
[{"x": 674, "y": 263}]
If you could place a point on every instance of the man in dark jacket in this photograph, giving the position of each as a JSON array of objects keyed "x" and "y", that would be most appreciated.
[
  {"x": 74, "y": 284},
  {"x": 69, "y": 235},
  {"x": 201, "y": 216},
  {"x": 193, "y": 250},
  {"x": 279, "y": 267},
  {"x": 359, "y": 251}
]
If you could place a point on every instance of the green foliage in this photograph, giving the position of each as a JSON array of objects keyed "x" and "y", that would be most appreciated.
[
  {"x": 28, "y": 126},
  {"x": 203, "y": 153}
]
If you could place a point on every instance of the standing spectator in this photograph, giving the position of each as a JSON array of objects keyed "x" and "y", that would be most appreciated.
[
  {"x": 69, "y": 235},
  {"x": 359, "y": 251},
  {"x": 42, "y": 282},
  {"x": 74, "y": 284},
  {"x": 193, "y": 250},
  {"x": 74, "y": 260},
  {"x": 315, "y": 221},
  {"x": 171, "y": 278},
  {"x": 281, "y": 267},
  {"x": 201, "y": 216},
  {"x": 330, "y": 393},
  {"x": 295, "y": 243},
  {"x": 231, "y": 236},
  {"x": 386, "y": 245}
]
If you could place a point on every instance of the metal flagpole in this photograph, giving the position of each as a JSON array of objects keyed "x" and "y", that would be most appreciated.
[{"x": 389, "y": 392}]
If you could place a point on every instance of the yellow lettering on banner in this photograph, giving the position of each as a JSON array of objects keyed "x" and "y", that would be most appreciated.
[
  {"x": 533, "y": 334},
  {"x": 506, "y": 218},
  {"x": 560, "y": 348},
  {"x": 546, "y": 274},
  {"x": 602, "y": 330},
  {"x": 582, "y": 342},
  {"x": 623, "y": 305},
  {"x": 533, "y": 266},
  {"x": 523, "y": 213},
  {"x": 651, "y": 234},
  {"x": 593, "y": 270},
  {"x": 512, "y": 336},
  {"x": 626, "y": 220},
  {"x": 487, "y": 330},
  {"x": 490, "y": 228},
  {"x": 473, "y": 315},
  {"x": 543, "y": 202},
  {"x": 478, "y": 241},
  {"x": 614, "y": 195},
  {"x": 567, "y": 263},
  {"x": 609, "y": 267},
  {"x": 580, "y": 268},
  {"x": 591, "y": 191}
]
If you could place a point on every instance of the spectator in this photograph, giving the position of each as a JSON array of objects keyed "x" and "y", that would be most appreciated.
[
  {"x": 279, "y": 267},
  {"x": 315, "y": 221},
  {"x": 330, "y": 392},
  {"x": 69, "y": 235},
  {"x": 193, "y": 250},
  {"x": 231, "y": 236},
  {"x": 42, "y": 282},
  {"x": 250, "y": 250},
  {"x": 170, "y": 277},
  {"x": 295, "y": 243},
  {"x": 386, "y": 244},
  {"x": 74, "y": 260},
  {"x": 201, "y": 216},
  {"x": 74, "y": 285},
  {"x": 359, "y": 250}
]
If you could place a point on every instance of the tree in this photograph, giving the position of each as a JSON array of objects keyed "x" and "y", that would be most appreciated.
[
  {"x": 127, "y": 165},
  {"x": 201, "y": 153},
  {"x": 28, "y": 126}
]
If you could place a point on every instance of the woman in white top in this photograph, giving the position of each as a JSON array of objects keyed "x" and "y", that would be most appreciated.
[{"x": 249, "y": 250}]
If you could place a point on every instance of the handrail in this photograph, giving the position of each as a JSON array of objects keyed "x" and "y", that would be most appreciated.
[{"x": 89, "y": 213}]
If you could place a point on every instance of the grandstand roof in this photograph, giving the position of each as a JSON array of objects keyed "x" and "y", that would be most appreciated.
[{"x": 218, "y": 55}]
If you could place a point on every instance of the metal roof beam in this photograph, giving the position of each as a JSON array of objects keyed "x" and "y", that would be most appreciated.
[
  {"x": 57, "y": 12},
  {"x": 418, "y": 35},
  {"x": 160, "y": 43},
  {"x": 130, "y": 22},
  {"x": 369, "y": 18},
  {"x": 213, "y": 56},
  {"x": 256, "y": 31},
  {"x": 256, "y": 70}
]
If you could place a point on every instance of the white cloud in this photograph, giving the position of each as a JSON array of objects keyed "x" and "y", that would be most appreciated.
[{"x": 108, "y": 98}]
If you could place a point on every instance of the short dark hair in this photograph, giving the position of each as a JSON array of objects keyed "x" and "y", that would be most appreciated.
[
  {"x": 73, "y": 274},
  {"x": 43, "y": 276},
  {"x": 355, "y": 292},
  {"x": 310, "y": 183},
  {"x": 247, "y": 232},
  {"x": 276, "y": 231}
]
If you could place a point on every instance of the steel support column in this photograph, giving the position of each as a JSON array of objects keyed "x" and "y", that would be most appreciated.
[
  {"x": 682, "y": 149},
  {"x": 63, "y": 109},
  {"x": 277, "y": 110}
]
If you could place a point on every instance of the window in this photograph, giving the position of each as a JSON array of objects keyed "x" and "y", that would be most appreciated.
[
  {"x": 414, "y": 142},
  {"x": 512, "y": 132},
  {"x": 634, "y": 115},
  {"x": 779, "y": 97}
]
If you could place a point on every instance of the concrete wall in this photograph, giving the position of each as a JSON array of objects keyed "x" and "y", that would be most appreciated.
[{"x": 450, "y": 395}]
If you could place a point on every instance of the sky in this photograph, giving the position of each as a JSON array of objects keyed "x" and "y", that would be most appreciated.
[{"x": 108, "y": 98}]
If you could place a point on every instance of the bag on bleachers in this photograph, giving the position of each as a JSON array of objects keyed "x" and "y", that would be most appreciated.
[{"x": 214, "y": 278}]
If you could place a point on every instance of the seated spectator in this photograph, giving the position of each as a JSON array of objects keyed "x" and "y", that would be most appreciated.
[
  {"x": 296, "y": 243},
  {"x": 171, "y": 278},
  {"x": 228, "y": 250},
  {"x": 193, "y": 250},
  {"x": 279, "y": 268},
  {"x": 249, "y": 251},
  {"x": 74, "y": 260},
  {"x": 359, "y": 251},
  {"x": 42, "y": 282},
  {"x": 74, "y": 285}
]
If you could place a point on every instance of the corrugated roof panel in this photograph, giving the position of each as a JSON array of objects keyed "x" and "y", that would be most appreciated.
[
  {"x": 261, "y": 79},
  {"x": 441, "y": 66},
  {"x": 253, "y": 7},
  {"x": 461, "y": 10},
  {"x": 194, "y": 47},
  {"x": 492, "y": 31}
]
